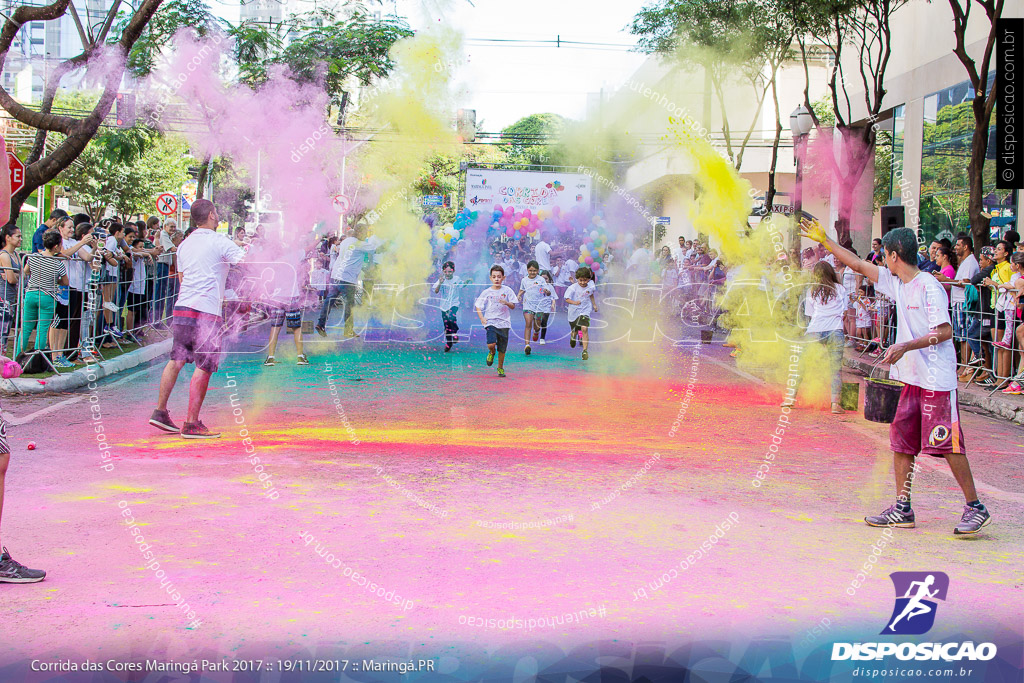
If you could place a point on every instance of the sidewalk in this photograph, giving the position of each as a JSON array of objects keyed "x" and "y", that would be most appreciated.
[
  {"x": 84, "y": 375},
  {"x": 1008, "y": 407}
]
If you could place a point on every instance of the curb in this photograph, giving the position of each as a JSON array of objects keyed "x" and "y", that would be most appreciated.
[
  {"x": 994, "y": 405},
  {"x": 84, "y": 375}
]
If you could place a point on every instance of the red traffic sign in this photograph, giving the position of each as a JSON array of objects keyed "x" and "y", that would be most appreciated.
[
  {"x": 341, "y": 204},
  {"x": 167, "y": 204},
  {"x": 17, "y": 172}
]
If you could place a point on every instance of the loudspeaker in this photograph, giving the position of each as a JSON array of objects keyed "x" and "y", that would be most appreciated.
[{"x": 892, "y": 218}]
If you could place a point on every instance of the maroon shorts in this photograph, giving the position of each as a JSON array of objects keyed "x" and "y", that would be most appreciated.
[
  {"x": 197, "y": 342},
  {"x": 927, "y": 422}
]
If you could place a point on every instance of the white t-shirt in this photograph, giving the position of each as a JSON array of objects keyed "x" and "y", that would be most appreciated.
[
  {"x": 351, "y": 258},
  {"x": 167, "y": 256},
  {"x": 204, "y": 258},
  {"x": 968, "y": 269},
  {"x": 497, "y": 314},
  {"x": 547, "y": 298},
  {"x": 78, "y": 269},
  {"x": 138, "y": 285},
  {"x": 850, "y": 283},
  {"x": 535, "y": 290},
  {"x": 863, "y": 314},
  {"x": 921, "y": 306},
  {"x": 318, "y": 279},
  {"x": 826, "y": 317},
  {"x": 581, "y": 294},
  {"x": 566, "y": 274},
  {"x": 114, "y": 248},
  {"x": 542, "y": 252},
  {"x": 448, "y": 292}
]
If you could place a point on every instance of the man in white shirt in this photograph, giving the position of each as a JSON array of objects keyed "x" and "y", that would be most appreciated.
[
  {"x": 923, "y": 358},
  {"x": 542, "y": 254},
  {"x": 679, "y": 252},
  {"x": 967, "y": 269},
  {"x": 204, "y": 258},
  {"x": 344, "y": 278}
]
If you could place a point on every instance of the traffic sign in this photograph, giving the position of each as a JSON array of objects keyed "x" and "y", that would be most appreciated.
[
  {"x": 167, "y": 204},
  {"x": 433, "y": 200},
  {"x": 663, "y": 220},
  {"x": 17, "y": 172},
  {"x": 341, "y": 204}
]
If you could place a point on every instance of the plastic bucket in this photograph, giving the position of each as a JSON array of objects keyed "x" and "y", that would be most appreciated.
[
  {"x": 881, "y": 396},
  {"x": 705, "y": 336}
]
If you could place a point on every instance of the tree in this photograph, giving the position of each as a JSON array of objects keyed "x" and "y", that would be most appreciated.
[
  {"x": 167, "y": 21},
  {"x": 845, "y": 26},
  {"x": 532, "y": 140},
  {"x": 982, "y": 105},
  {"x": 78, "y": 131}
]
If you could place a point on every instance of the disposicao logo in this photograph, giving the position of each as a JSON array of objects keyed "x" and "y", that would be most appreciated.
[
  {"x": 916, "y": 592},
  {"x": 912, "y": 615}
]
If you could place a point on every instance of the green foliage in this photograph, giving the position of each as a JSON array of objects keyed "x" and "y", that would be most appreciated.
[
  {"x": 125, "y": 170},
  {"x": 536, "y": 151},
  {"x": 824, "y": 111},
  {"x": 168, "y": 20},
  {"x": 441, "y": 175}
]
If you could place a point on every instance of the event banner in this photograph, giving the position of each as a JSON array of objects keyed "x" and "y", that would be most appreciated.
[{"x": 533, "y": 190}]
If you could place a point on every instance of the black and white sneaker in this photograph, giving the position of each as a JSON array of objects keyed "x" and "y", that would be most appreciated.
[
  {"x": 269, "y": 361},
  {"x": 15, "y": 572},
  {"x": 302, "y": 360},
  {"x": 972, "y": 521},
  {"x": 892, "y": 516}
]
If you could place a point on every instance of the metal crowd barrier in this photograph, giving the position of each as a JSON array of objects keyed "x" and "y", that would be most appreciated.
[{"x": 79, "y": 332}]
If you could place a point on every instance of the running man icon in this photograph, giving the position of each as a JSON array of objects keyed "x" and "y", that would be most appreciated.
[{"x": 914, "y": 612}]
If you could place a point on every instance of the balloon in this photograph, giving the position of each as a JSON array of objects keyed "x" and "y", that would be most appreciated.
[
  {"x": 518, "y": 235},
  {"x": 509, "y": 231},
  {"x": 474, "y": 214},
  {"x": 526, "y": 212},
  {"x": 588, "y": 261},
  {"x": 593, "y": 235},
  {"x": 509, "y": 210}
]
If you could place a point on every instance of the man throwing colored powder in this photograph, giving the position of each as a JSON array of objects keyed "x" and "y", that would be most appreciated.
[
  {"x": 923, "y": 358},
  {"x": 204, "y": 258}
]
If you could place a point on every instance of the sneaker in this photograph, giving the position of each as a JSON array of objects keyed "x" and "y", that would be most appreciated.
[
  {"x": 62, "y": 362},
  {"x": 971, "y": 522},
  {"x": 501, "y": 372},
  {"x": 269, "y": 361},
  {"x": 986, "y": 382},
  {"x": 527, "y": 349},
  {"x": 302, "y": 360},
  {"x": 1014, "y": 388},
  {"x": 892, "y": 517},
  {"x": 536, "y": 334},
  {"x": 447, "y": 347},
  {"x": 15, "y": 572},
  {"x": 161, "y": 419},
  {"x": 320, "y": 330},
  {"x": 490, "y": 359},
  {"x": 586, "y": 355},
  {"x": 197, "y": 430},
  {"x": 350, "y": 334},
  {"x": 1002, "y": 345},
  {"x": 572, "y": 340},
  {"x": 113, "y": 331},
  {"x": 976, "y": 361},
  {"x": 542, "y": 342},
  {"x": 837, "y": 409}
]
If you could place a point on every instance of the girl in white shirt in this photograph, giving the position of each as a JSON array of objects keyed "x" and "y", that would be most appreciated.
[{"x": 825, "y": 305}]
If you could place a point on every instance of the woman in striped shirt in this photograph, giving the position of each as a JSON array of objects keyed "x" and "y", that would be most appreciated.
[{"x": 46, "y": 274}]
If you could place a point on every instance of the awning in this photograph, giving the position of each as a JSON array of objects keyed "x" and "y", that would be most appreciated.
[{"x": 26, "y": 208}]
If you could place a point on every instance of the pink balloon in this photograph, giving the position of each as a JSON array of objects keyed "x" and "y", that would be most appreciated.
[
  {"x": 509, "y": 231},
  {"x": 497, "y": 207},
  {"x": 526, "y": 213},
  {"x": 509, "y": 211},
  {"x": 588, "y": 260}
]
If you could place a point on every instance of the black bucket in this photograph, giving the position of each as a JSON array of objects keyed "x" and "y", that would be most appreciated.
[
  {"x": 881, "y": 396},
  {"x": 706, "y": 335}
]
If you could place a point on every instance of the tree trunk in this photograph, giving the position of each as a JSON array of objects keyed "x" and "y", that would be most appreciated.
[
  {"x": 204, "y": 171},
  {"x": 769, "y": 195},
  {"x": 975, "y": 168}
]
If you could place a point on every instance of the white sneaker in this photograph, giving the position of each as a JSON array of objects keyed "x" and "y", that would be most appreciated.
[{"x": 542, "y": 342}]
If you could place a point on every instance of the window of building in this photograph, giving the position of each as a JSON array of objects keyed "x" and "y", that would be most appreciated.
[{"x": 946, "y": 153}]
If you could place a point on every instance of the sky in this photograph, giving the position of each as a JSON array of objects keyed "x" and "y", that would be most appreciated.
[{"x": 507, "y": 82}]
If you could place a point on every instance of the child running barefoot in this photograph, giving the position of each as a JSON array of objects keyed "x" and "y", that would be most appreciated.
[
  {"x": 580, "y": 298},
  {"x": 494, "y": 306},
  {"x": 530, "y": 294},
  {"x": 545, "y": 307},
  {"x": 448, "y": 289}
]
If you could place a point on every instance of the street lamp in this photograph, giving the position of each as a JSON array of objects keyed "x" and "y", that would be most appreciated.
[{"x": 800, "y": 123}]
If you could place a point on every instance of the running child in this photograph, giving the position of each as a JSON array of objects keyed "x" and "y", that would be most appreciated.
[
  {"x": 494, "y": 307},
  {"x": 448, "y": 289},
  {"x": 546, "y": 307},
  {"x": 535, "y": 289},
  {"x": 580, "y": 298}
]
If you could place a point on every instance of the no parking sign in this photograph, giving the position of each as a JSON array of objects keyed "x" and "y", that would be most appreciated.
[{"x": 167, "y": 204}]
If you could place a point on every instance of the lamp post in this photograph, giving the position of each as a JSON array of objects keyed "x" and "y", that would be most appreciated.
[{"x": 800, "y": 123}]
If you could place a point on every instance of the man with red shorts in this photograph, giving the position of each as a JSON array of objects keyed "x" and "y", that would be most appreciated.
[
  {"x": 204, "y": 258},
  {"x": 923, "y": 358}
]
